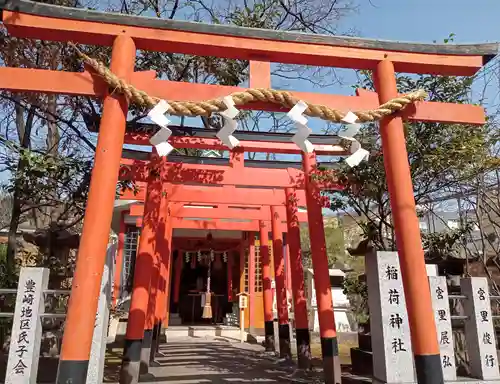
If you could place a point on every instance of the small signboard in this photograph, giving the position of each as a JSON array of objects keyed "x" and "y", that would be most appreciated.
[{"x": 243, "y": 301}]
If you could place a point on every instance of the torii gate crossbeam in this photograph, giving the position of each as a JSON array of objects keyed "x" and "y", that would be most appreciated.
[
  {"x": 218, "y": 195},
  {"x": 182, "y": 211}
]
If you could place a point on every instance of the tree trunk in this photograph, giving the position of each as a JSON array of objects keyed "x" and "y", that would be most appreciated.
[
  {"x": 53, "y": 139},
  {"x": 12, "y": 237},
  {"x": 24, "y": 134}
]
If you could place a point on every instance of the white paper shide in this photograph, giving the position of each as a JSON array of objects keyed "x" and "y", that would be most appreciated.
[
  {"x": 225, "y": 134},
  {"x": 303, "y": 131},
  {"x": 352, "y": 128},
  {"x": 160, "y": 139}
]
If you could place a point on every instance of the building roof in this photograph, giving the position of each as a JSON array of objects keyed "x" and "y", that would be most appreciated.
[{"x": 332, "y": 272}]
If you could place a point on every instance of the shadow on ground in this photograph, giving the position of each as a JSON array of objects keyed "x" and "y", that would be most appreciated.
[
  {"x": 207, "y": 361},
  {"x": 191, "y": 360}
]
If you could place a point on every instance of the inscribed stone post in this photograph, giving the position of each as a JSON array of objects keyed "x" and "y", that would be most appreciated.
[
  {"x": 390, "y": 331},
  {"x": 441, "y": 308},
  {"x": 97, "y": 353},
  {"x": 479, "y": 330},
  {"x": 26, "y": 335}
]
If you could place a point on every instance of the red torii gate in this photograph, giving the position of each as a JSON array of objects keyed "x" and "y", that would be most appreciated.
[
  {"x": 235, "y": 174},
  {"x": 179, "y": 210},
  {"x": 127, "y": 33},
  {"x": 249, "y": 222},
  {"x": 218, "y": 195},
  {"x": 275, "y": 215},
  {"x": 254, "y": 220},
  {"x": 138, "y": 170}
]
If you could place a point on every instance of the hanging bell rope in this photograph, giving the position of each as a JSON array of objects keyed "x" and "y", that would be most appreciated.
[{"x": 207, "y": 308}]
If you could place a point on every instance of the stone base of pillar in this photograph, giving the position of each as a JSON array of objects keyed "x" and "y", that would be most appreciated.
[
  {"x": 269, "y": 334},
  {"x": 162, "y": 338},
  {"x": 71, "y": 371},
  {"x": 303, "y": 339},
  {"x": 146, "y": 351},
  {"x": 130, "y": 369},
  {"x": 428, "y": 369},
  {"x": 154, "y": 342},
  {"x": 284, "y": 339},
  {"x": 331, "y": 361}
]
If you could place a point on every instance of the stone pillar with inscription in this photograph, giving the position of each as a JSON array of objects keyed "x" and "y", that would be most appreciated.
[
  {"x": 442, "y": 317},
  {"x": 390, "y": 331},
  {"x": 26, "y": 336},
  {"x": 99, "y": 340},
  {"x": 479, "y": 330}
]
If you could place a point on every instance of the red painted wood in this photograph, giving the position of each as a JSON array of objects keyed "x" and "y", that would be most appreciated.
[
  {"x": 406, "y": 222},
  {"x": 213, "y": 195},
  {"x": 279, "y": 267},
  {"x": 204, "y": 174},
  {"x": 251, "y": 279},
  {"x": 235, "y": 47},
  {"x": 218, "y": 212},
  {"x": 266, "y": 271},
  {"x": 82, "y": 307},
  {"x": 69, "y": 83},
  {"x": 295, "y": 262}
]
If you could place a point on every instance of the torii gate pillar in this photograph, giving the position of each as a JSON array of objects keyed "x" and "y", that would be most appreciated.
[
  {"x": 136, "y": 352},
  {"x": 279, "y": 278},
  {"x": 411, "y": 255},
  {"x": 266, "y": 283},
  {"x": 164, "y": 253},
  {"x": 79, "y": 326},
  {"x": 297, "y": 276},
  {"x": 328, "y": 333}
]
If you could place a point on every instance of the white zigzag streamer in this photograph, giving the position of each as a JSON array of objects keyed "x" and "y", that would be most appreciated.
[
  {"x": 160, "y": 139},
  {"x": 303, "y": 131},
  {"x": 225, "y": 134},
  {"x": 358, "y": 154}
]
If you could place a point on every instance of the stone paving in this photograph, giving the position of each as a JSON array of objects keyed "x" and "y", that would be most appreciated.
[{"x": 215, "y": 360}]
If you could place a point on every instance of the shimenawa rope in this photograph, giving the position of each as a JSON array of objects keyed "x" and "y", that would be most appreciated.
[{"x": 284, "y": 98}]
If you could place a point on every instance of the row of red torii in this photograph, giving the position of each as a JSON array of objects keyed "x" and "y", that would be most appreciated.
[{"x": 164, "y": 203}]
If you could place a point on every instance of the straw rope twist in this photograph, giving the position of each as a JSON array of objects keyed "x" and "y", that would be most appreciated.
[{"x": 283, "y": 98}]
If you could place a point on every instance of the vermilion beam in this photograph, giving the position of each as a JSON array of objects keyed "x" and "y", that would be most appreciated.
[
  {"x": 193, "y": 243},
  {"x": 216, "y": 224},
  {"x": 220, "y": 175},
  {"x": 219, "y": 195},
  {"x": 211, "y": 174},
  {"x": 85, "y": 290},
  {"x": 221, "y": 212},
  {"x": 72, "y": 83},
  {"x": 234, "y": 47},
  {"x": 246, "y": 146},
  {"x": 432, "y": 111},
  {"x": 424, "y": 340}
]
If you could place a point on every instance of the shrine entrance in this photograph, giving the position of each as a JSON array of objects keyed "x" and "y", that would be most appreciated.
[{"x": 200, "y": 275}]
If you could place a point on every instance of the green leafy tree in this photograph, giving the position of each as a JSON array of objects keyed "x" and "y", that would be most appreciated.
[
  {"x": 443, "y": 158},
  {"x": 440, "y": 157},
  {"x": 334, "y": 239}
]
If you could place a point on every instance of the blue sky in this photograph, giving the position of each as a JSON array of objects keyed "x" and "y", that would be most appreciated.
[
  {"x": 427, "y": 20},
  {"x": 418, "y": 21},
  {"x": 422, "y": 21}
]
